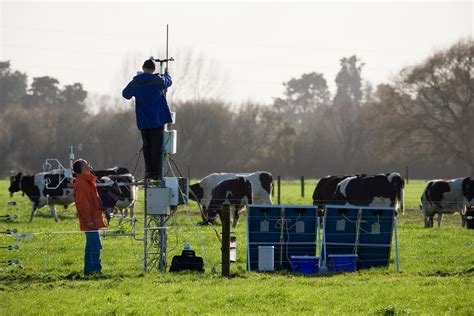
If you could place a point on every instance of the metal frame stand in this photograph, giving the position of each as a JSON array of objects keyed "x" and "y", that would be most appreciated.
[{"x": 156, "y": 224}]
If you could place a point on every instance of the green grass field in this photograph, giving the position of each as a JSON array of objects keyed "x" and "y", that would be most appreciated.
[{"x": 437, "y": 270}]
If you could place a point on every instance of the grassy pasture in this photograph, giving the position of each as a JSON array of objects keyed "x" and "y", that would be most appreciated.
[{"x": 436, "y": 278}]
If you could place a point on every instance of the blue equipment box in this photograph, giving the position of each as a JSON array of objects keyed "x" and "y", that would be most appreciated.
[
  {"x": 290, "y": 229},
  {"x": 365, "y": 231}
]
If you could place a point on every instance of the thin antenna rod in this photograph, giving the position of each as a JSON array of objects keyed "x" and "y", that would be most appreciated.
[{"x": 167, "y": 28}]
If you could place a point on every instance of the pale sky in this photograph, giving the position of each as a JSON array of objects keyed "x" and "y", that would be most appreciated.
[{"x": 256, "y": 46}]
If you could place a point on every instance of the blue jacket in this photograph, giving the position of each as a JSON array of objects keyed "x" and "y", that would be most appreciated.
[{"x": 151, "y": 108}]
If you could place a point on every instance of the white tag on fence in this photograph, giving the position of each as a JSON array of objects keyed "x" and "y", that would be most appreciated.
[
  {"x": 300, "y": 227},
  {"x": 375, "y": 229},
  {"x": 341, "y": 225},
  {"x": 264, "y": 226}
]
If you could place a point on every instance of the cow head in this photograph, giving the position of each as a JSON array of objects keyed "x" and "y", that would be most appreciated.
[
  {"x": 468, "y": 190},
  {"x": 398, "y": 184},
  {"x": 15, "y": 184},
  {"x": 196, "y": 192},
  {"x": 266, "y": 180}
]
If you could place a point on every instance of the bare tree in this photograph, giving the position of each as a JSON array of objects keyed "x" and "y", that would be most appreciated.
[{"x": 429, "y": 110}]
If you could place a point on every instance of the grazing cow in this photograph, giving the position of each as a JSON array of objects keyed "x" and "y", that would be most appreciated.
[
  {"x": 447, "y": 196},
  {"x": 236, "y": 192},
  {"x": 39, "y": 194},
  {"x": 377, "y": 190},
  {"x": 262, "y": 186},
  {"x": 324, "y": 192},
  {"x": 117, "y": 193}
]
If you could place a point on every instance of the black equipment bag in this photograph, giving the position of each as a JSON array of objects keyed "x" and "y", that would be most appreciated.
[{"x": 187, "y": 261}]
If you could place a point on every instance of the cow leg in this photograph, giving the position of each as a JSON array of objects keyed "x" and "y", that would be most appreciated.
[
  {"x": 132, "y": 210},
  {"x": 440, "y": 219},
  {"x": 236, "y": 216},
  {"x": 33, "y": 211},
  {"x": 463, "y": 220},
  {"x": 122, "y": 213},
  {"x": 53, "y": 212},
  {"x": 107, "y": 216},
  {"x": 430, "y": 221}
]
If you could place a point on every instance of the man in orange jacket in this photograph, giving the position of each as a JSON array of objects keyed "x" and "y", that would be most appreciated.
[{"x": 89, "y": 213}]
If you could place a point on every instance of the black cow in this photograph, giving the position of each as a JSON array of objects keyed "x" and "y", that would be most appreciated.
[
  {"x": 447, "y": 196},
  {"x": 236, "y": 192},
  {"x": 324, "y": 192},
  {"x": 262, "y": 186},
  {"x": 37, "y": 188},
  {"x": 377, "y": 190}
]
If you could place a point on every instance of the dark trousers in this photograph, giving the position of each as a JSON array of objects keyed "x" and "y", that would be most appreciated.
[
  {"x": 152, "y": 151},
  {"x": 92, "y": 262}
]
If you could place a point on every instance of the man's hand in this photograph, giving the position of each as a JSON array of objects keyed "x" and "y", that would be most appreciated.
[{"x": 90, "y": 224}]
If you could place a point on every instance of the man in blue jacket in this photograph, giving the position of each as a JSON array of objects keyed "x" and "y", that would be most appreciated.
[{"x": 152, "y": 113}]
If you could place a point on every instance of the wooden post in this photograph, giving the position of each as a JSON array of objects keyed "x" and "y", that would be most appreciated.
[
  {"x": 279, "y": 189},
  {"x": 225, "y": 218},
  {"x": 406, "y": 174},
  {"x": 302, "y": 186},
  {"x": 189, "y": 173},
  {"x": 273, "y": 188}
]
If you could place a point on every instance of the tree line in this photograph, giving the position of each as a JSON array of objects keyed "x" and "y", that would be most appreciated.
[{"x": 422, "y": 119}]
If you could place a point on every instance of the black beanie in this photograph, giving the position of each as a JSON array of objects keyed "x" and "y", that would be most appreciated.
[{"x": 149, "y": 64}]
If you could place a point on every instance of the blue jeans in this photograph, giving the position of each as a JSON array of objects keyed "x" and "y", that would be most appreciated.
[{"x": 92, "y": 253}]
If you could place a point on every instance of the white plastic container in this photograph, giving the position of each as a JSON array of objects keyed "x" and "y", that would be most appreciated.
[
  {"x": 233, "y": 249},
  {"x": 266, "y": 255}
]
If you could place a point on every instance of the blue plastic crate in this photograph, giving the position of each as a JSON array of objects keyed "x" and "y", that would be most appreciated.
[
  {"x": 342, "y": 263},
  {"x": 305, "y": 264}
]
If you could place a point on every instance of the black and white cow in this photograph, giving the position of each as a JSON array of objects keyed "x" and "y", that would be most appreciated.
[
  {"x": 117, "y": 193},
  {"x": 236, "y": 192},
  {"x": 447, "y": 196},
  {"x": 324, "y": 192},
  {"x": 110, "y": 172},
  {"x": 376, "y": 190},
  {"x": 39, "y": 193},
  {"x": 262, "y": 186}
]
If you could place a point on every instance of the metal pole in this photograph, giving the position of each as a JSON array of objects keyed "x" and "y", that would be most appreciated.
[
  {"x": 319, "y": 238},
  {"x": 396, "y": 242},
  {"x": 279, "y": 189},
  {"x": 163, "y": 237},
  {"x": 302, "y": 186},
  {"x": 145, "y": 231},
  {"x": 167, "y": 29},
  {"x": 406, "y": 174},
  {"x": 225, "y": 218}
]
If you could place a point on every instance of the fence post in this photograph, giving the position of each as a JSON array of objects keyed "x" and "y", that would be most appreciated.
[
  {"x": 406, "y": 174},
  {"x": 225, "y": 218},
  {"x": 302, "y": 186},
  {"x": 189, "y": 173},
  {"x": 279, "y": 189}
]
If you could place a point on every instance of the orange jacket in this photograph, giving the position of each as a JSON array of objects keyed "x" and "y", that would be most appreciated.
[{"x": 87, "y": 202}]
